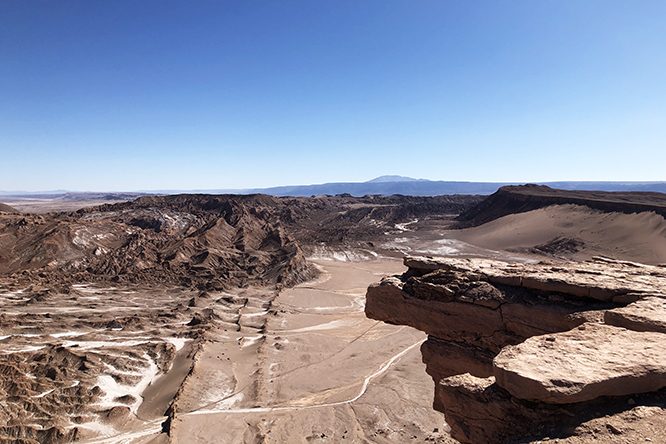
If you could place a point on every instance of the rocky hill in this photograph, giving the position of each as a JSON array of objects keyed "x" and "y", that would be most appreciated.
[
  {"x": 211, "y": 241},
  {"x": 568, "y": 224},
  {"x": 519, "y": 199},
  {"x": 7, "y": 209},
  {"x": 203, "y": 241},
  {"x": 522, "y": 352},
  {"x": 344, "y": 220}
]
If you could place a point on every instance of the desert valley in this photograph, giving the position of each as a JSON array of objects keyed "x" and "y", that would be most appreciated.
[
  {"x": 527, "y": 315},
  {"x": 332, "y": 222}
]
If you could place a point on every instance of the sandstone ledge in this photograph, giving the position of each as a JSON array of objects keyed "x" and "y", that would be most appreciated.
[
  {"x": 603, "y": 279},
  {"x": 585, "y": 363},
  {"x": 556, "y": 337},
  {"x": 648, "y": 314}
]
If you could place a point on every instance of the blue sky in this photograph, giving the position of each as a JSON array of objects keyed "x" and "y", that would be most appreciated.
[{"x": 127, "y": 95}]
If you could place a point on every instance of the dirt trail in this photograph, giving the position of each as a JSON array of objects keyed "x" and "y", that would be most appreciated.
[{"x": 364, "y": 387}]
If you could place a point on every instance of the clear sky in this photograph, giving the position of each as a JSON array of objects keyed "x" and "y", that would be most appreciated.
[{"x": 127, "y": 95}]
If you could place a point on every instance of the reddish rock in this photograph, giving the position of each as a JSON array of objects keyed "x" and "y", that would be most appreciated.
[{"x": 446, "y": 358}]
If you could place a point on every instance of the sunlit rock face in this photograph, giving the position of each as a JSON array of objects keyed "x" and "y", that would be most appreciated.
[{"x": 515, "y": 348}]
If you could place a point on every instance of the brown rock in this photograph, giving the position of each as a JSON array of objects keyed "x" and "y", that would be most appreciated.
[
  {"x": 478, "y": 411},
  {"x": 526, "y": 320},
  {"x": 647, "y": 314},
  {"x": 446, "y": 358},
  {"x": 583, "y": 364},
  {"x": 422, "y": 264},
  {"x": 600, "y": 279},
  {"x": 473, "y": 309},
  {"x": 452, "y": 304},
  {"x": 446, "y": 320}
]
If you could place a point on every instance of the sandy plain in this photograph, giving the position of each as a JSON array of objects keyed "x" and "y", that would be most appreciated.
[{"x": 320, "y": 371}]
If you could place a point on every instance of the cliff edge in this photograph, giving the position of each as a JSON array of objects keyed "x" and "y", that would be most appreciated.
[{"x": 532, "y": 350}]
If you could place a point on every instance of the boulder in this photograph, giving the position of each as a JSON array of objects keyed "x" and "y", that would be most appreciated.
[{"x": 590, "y": 361}]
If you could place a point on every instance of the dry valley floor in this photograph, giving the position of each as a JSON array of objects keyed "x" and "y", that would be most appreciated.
[{"x": 140, "y": 365}]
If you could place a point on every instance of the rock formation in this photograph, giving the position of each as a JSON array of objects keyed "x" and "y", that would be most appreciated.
[
  {"x": 515, "y": 348},
  {"x": 211, "y": 241},
  {"x": 519, "y": 199}
]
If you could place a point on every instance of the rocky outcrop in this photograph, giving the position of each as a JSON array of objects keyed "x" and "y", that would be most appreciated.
[
  {"x": 582, "y": 364},
  {"x": 648, "y": 314},
  {"x": 513, "y": 346},
  {"x": 194, "y": 241},
  {"x": 480, "y": 411}
]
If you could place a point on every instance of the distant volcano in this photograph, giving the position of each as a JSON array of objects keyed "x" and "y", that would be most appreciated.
[{"x": 385, "y": 179}]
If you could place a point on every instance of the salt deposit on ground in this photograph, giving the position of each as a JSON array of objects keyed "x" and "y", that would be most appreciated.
[
  {"x": 179, "y": 343},
  {"x": 403, "y": 226},
  {"x": 112, "y": 389}
]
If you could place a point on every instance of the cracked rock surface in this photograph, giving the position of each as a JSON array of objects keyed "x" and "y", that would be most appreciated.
[
  {"x": 582, "y": 364},
  {"x": 515, "y": 347}
]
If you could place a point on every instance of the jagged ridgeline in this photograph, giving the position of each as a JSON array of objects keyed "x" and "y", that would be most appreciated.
[{"x": 209, "y": 241}]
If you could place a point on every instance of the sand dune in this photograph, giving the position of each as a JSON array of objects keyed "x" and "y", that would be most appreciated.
[
  {"x": 575, "y": 231},
  {"x": 520, "y": 199}
]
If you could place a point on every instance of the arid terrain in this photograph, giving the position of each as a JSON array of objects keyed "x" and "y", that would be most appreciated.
[
  {"x": 223, "y": 318},
  {"x": 45, "y": 203},
  {"x": 177, "y": 318}
]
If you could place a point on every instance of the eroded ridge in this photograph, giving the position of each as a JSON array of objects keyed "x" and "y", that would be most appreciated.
[
  {"x": 520, "y": 350},
  {"x": 108, "y": 362}
]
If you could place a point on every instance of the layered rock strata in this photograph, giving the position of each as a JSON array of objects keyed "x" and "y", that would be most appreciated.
[{"x": 515, "y": 349}]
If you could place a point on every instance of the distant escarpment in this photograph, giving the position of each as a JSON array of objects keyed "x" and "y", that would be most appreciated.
[
  {"x": 528, "y": 351},
  {"x": 520, "y": 199},
  {"x": 344, "y": 220}
]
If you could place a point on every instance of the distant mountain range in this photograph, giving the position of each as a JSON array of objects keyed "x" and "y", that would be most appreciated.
[{"x": 388, "y": 185}]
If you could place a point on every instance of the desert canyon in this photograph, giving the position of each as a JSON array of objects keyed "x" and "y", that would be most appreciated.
[{"x": 530, "y": 315}]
